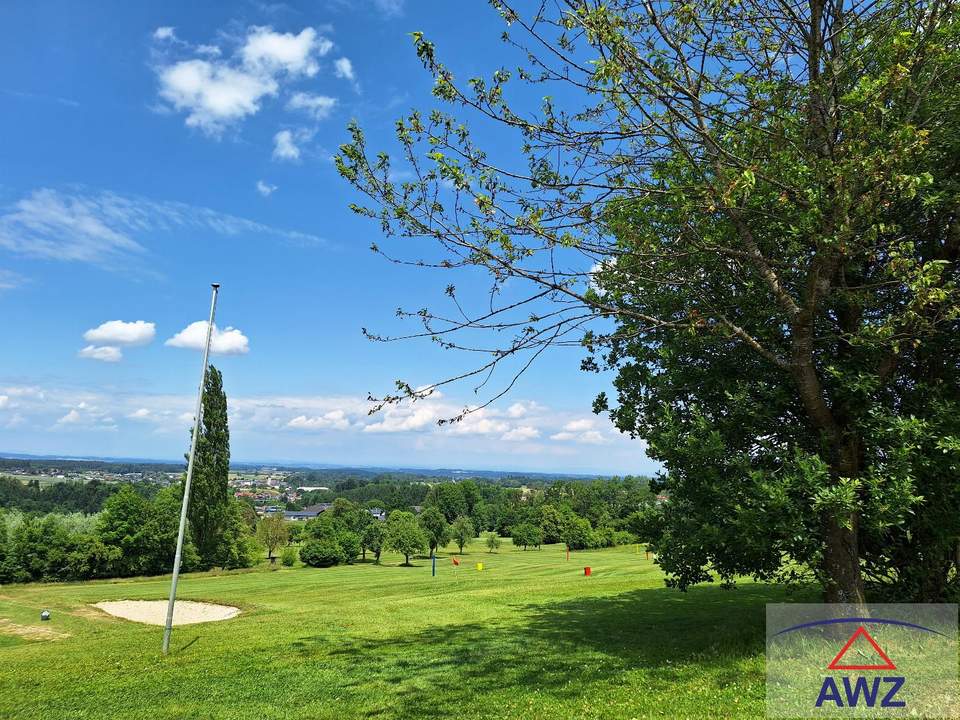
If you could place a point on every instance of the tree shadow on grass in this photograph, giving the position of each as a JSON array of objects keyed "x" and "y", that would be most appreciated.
[{"x": 559, "y": 648}]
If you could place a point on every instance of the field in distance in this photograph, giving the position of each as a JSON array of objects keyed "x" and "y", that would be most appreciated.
[{"x": 528, "y": 637}]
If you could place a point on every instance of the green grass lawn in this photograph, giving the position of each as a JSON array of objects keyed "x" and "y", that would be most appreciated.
[{"x": 529, "y": 637}]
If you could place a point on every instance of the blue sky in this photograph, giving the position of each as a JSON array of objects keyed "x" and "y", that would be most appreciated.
[{"x": 147, "y": 149}]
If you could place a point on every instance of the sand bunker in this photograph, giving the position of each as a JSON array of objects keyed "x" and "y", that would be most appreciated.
[{"x": 154, "y": 612}]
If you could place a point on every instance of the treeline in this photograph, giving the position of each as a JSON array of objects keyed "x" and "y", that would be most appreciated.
[
  {"x": 493, "y": 506},
  {"x": 582, "y": 515},
  {"x": 132, "y": 535},
  {"x": 62, "y": 497},
  {"x": 37, "y": 465}
]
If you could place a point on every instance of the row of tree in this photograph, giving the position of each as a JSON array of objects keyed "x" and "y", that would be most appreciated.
[
  {"x": 347, "y": 530},
  {"x": 133, "y": 535},
  {"x": 137, "y": 535},
  {"x": 61, "y": 497}
]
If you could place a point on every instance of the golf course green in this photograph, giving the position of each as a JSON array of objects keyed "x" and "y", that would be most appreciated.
[{"x": 530, "y": 636}]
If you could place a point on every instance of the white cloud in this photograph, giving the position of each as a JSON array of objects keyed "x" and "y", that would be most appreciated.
[
  {"x": 71, "y": 418},
  {"x": 333, "y": 420},
  {"x": 403, "y": 419},
  {"x": 99, "y": 227},
  {"x": 317, "y": 106},
  {"x": 478, "y": 422},
  {"x": 217, "y": 92},
  {"x": 265, "y": 189},
  {"x": 10, "y": 280},
  {"x": 229, "y": 341},
  {"x": 343, "y": 68},
  {"x": 284, "y": 147},
  {"x": 581, "y": 431},
  {"x": 118, "y": 332},
  {"x": 140, "y": 414},
  {"x": 164, "y": 33},
  {"x": 518, "y": 409},
  {"x": 274, "y": 52},
  {"x": 87, "y": 417},
  {"x": 212, "y": 94},
  {"x": 523, "y": 432},
  {"x": 4, "y": 401},
  {"x": 104, "y": 353},
  {"x": 50, "y": 224}
]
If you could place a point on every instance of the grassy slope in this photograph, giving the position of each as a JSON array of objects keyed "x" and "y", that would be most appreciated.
[{"x": 529, "y": 637}]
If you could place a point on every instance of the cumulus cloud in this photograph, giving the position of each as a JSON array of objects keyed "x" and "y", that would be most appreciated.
[
  {"x": 140, "y": 414},
  {"x": 519, "y": 409},
  {"x": 580, "y": 431},
  {"x": 164, "y": 33},
  {"x": 403, "y": 419},
  {"x": 71, "y": 418},
  {"x": 284, "y": 147},
  {"x": 272, "y": 52},
  {"x": 4, "y": 401},
  {"x": 521, "y": 433},
  {"x": 265, "y": 189},
  {"x": 317, "y": 106},
  {"x": 217, "y": 92},
  {"x": 213, "y": 95},
  {"x": 333, "y": 420},
  {"x": 104, "y": 353},
  {"x": 118, "y": 332},
  {"x": 101, "y": 227},
  {"x": 343, "y": 69},
  {"x": 87, "y": 417},
  {"x": 479, "y": 423},
  {"x": 229, "y": 341}
]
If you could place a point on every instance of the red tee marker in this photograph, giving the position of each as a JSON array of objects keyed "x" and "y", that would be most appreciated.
[
  {"x": 587, "y": 571},
  {"x": 455, "y": 561}
]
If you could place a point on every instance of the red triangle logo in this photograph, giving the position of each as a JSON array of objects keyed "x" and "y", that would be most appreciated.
[{"x": 861, "y": 632}]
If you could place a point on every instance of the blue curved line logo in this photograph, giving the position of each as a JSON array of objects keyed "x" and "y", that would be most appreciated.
[{"x": 861, "y": 621}]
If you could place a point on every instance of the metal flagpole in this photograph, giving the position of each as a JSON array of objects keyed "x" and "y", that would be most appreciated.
[{"x": 186, "y": 486}]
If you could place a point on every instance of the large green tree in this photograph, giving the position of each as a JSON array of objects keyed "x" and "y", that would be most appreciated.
[
  {"x": 404, "y": 535},
  {"x": 749, "y": 212},
  {"x": 435, "y": 527},
  {"x": 209, "y": 508}
]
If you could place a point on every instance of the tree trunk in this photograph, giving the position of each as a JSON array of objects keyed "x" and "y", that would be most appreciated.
[{"x": 841, "y": 562}]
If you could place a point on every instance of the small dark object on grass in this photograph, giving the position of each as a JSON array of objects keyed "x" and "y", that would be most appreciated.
[{"x": 44, "y": 615}]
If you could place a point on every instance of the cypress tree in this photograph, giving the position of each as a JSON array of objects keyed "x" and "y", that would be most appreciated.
[{"x": 209, "y": 495}]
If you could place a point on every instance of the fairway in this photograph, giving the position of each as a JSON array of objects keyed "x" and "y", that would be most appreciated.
[{"x": 528, "y": 637}]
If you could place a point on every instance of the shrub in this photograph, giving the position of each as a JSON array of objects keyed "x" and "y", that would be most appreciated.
[
  {"x": 349, "y": 544},
  {"x": 578, "y": 534},
  {"x": 288, "y": 557},
  {"x": 322, "y": 553}
]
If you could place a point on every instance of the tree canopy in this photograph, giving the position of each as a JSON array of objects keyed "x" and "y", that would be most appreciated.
[{"x": 748, "y": 211}]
